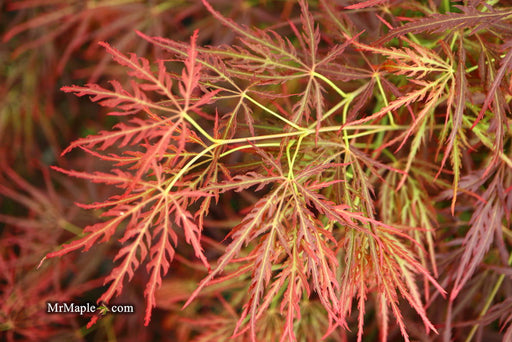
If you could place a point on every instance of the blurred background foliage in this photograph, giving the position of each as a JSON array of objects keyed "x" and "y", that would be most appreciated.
[{"x": 47, "y": 44}]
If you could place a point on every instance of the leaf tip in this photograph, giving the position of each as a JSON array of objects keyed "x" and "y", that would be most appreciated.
[{"x": 40, "y": 263}]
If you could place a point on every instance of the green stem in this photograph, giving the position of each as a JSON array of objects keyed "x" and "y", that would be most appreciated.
[
  {"x": 271, "y": 112},
  {"x": 198, "y": 127},
  {"x": 329, "y": 82},
  {"x": 383, "y": 94}
]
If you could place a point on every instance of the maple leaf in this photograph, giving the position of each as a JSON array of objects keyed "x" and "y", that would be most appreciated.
[
  {"x": 486, "y": 224},
  {"x": 316, "y": 155},
  {"x": 143, "y": 211},
  {"x": 469, "y": 18}
]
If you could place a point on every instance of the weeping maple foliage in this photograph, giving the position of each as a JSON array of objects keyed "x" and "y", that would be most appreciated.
[{"x": 317, "y": 174}]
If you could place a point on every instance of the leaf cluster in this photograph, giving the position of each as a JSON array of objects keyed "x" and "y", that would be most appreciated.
[{"x": 351, "y": 164}]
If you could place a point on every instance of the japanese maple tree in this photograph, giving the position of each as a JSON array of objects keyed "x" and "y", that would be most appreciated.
[{"x": 351, "y": 164}]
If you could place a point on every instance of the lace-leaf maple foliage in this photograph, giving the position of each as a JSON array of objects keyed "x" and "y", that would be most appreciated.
[{"x": 342, "y": 202}]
